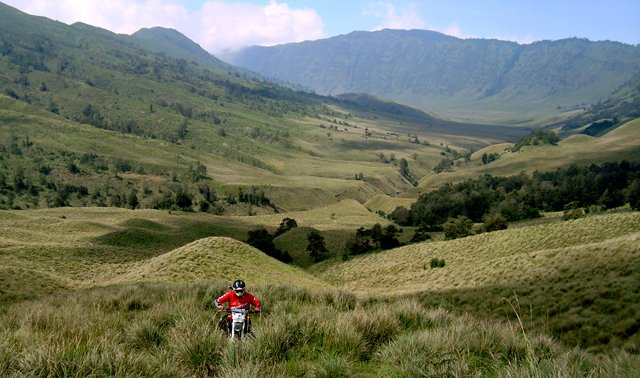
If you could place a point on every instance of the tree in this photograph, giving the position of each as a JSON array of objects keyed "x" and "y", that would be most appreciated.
[
  {"x": 184, "y": 200},
  {"x": 133, "y": 200},
  {"x": 286, "y": 225},
  {"x": 316, "y": 248},
  {"x": 458, "y": 227},
  {"x": 401, "y": 215},
  {"x": 404, "y": 167},
  {"x": 388, "y": 240},
  {"x": 261, "y": 239},
  {"x": 633, "y": 194},
  {"x": 376, "y": 233}
]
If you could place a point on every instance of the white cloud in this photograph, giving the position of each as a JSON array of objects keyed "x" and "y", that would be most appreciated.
[
  {"x": 228, "y": 26},
  {"x": 454, "y": 31},
  {"x": 395, "y": 18},
  {"x": 218, "y": 26}
]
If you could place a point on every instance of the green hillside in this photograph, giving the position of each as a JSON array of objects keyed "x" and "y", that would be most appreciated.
[
  {"x": 101, "y": 291},
  {"x": 174, "y": 44},
  {"x": 93, "y": 118},
  {"x": 133, "y": 170},
  {"x": 576, "y": 280},
  {"x": 472, "y": 79}
]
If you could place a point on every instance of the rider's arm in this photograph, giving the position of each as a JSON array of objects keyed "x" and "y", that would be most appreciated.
[
  {"x": 218, "y": 302},
  {"x": 255, "y": 302}
]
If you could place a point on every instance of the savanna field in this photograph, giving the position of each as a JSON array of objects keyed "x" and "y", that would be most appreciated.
[
  {"x": 87, "y": 295},
  {"x": 140, "y": 176}
]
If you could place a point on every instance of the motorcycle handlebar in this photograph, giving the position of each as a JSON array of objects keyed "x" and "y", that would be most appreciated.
[{"x": 228, "y": 311}]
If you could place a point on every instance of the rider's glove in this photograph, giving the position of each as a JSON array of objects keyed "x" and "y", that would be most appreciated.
[
  {"x": 257, "y": 309},
  {"x": 220, "y": 308}
]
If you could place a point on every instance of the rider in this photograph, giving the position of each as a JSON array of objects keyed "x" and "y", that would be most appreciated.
[{"x": 238, "y": 298}]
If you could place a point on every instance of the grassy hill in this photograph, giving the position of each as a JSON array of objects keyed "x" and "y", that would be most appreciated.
[
  {"x": 549, "y": 271},
  {"x": 75, "y": 248}
]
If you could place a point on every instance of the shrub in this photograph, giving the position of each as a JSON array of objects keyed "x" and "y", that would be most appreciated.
[
  {"x": 458, "y": 227},
  {"x": 494, "y": 222},
  {"x": 437, "y": 263},
  {"x": 420, "y": 235},
  {"x": 572, "y": 211}
]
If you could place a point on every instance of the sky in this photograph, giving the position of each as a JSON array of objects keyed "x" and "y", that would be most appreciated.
[{"x": 224, "y": 26}]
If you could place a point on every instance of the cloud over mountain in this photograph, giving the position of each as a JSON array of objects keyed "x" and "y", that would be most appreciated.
[{"x": 218, "y": 25}]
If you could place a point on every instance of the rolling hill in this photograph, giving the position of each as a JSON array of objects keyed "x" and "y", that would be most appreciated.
[
  {"x": 550, "y": 271},
  {"x": 133, "y": 167},
  {"x": 473, "y": 79}
]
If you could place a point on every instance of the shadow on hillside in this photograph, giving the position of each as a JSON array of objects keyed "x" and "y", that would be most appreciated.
[{"x": 593, "y": 309}]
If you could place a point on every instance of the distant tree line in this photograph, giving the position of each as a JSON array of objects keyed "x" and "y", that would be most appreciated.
[{"x": 520, "y": 197}]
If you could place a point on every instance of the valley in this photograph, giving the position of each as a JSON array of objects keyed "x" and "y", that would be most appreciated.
[{"x": 140, "y": 175}]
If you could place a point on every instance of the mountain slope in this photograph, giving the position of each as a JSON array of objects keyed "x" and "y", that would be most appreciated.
[
  {"x": 162, "y": 116},
  {"x": 619, "y": 144},
  {"x": 175, "y": 44},
  {"x": 480, "y": 79}
]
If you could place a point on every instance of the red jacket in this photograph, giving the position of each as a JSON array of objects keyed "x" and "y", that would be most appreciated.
[{"x": 238, "y": 302}]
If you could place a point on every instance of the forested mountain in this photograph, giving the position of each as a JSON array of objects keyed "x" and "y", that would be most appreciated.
[{"x": 475, "y": 78}]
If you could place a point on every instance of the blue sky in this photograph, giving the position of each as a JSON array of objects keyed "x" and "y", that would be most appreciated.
[{"x": 221, "y": 26}]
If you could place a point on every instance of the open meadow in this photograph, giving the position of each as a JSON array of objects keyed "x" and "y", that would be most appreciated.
[{"x": 101, "y": 291}]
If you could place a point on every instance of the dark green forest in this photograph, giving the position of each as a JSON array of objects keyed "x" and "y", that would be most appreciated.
[{"x": 593, "y": 187}]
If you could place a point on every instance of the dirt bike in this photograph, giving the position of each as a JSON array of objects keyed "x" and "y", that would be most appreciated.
[{"x": 237, "y": 322}]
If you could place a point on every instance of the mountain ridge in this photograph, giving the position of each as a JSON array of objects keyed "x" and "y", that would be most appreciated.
[{"x": 435, "y": 72}]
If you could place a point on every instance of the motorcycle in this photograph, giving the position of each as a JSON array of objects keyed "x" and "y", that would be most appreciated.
[{"x": 237, "y": 322}]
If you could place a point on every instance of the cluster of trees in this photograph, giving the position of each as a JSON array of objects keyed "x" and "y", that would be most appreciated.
[
  {"x": 376, "y": 238},
  {"x": 523, "y": 197},
  {"x": 254, "y": 197},
  {"x": 261, "y": 239},
  {"x": 538, "y": 137}
]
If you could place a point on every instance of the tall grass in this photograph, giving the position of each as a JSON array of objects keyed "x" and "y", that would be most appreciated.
[{"x": 170, "y": 330}]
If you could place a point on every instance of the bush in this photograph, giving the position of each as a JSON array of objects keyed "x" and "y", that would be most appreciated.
[
  {"x": 494, "y": 222},
  {"x": 458, "y": 227},
  {"x": 572, "y": 211},
  {"x": 437, "y": 263}
]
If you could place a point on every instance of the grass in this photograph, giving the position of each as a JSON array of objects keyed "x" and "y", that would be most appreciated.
[
  {"x": 574, "y": 279},
  {"x": 543, "y": 298},
  {"x": 71, "y": 248},
  {"x": 169, "y": 329}
]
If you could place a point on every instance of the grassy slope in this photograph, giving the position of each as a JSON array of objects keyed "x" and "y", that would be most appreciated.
[
  {"x": 576, "y": 279},
  {"x": 72, "y": 248}
]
